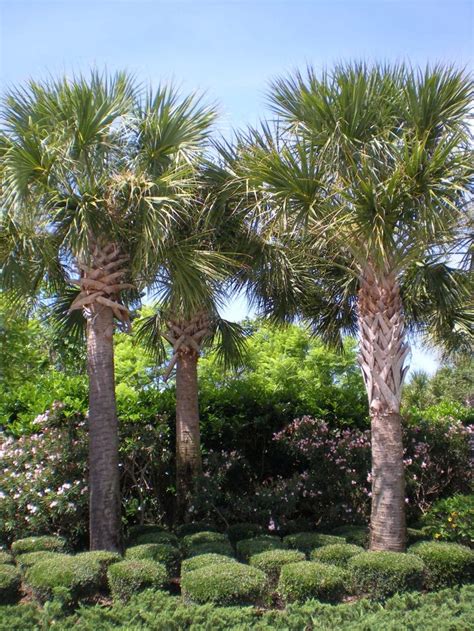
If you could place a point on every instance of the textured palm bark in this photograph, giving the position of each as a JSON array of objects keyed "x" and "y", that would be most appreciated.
[
  {"x": 383, "y": 351},
  {"x": 188, "y": 440},
  {"x": 104, "y": 480}
]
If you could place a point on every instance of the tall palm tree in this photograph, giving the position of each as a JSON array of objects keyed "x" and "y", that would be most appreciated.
[
  {"x": 94, "y": 174},
  {"x": 369, "y": 169}
]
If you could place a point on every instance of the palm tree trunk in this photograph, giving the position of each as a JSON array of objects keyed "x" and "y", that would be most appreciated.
[
  {"x": 104, "y": 481},
  {"x": 188, "y": 441},
  {"x": 382, "y": 355}
]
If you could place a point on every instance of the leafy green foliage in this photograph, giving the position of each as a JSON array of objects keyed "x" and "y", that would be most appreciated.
[
  {"x": 190, "y": 528},
  {"x": 214, "y": 547},
  {"x": 5, "y": 558},
  {"x": 163, "y": 553},
  {"x": 202, "y": 537},
  {"x": 155, "y": 537},
  {"x": 128, "y": 577},
  {"x": 237, "y": 532},
  {"x": 247, "y": 548},
  {"x": 26, "y": 560},
  {"x": 307, "y": 541},
  {"x": 382, "y": 574},
  {"x": 451, "y": 519},
  {"x": 10, "y": 581},
  {"x": 202, "y": 560},
  {"x": 358, "y": 535},
  {"x": 36, "y": 544},
  {"x": 446, "y": 563},
  {"x": 308, "y": 579},
  {"x": 272, "y": 561},
  {"x": 335, "y": 553},
  {"x": 224, "y": 584}
]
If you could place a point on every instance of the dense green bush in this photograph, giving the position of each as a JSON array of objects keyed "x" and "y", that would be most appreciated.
[
  {"x": 451, "y": 519},
  {"x": 382, "y": 574},
  {"x": 224, "y": 584},
  {"x": 249, "y": 547},
  {"x": 155, "y": 537},
  {"x": 24, "y": 561},
  {"x": 10, "y": 582},
  {"x": 35, "y": 544},
  {"x": 163, "y": 553},
  {"x": 272, "y": 561},
  {"x": 203, "y": 537},
  {"x": 128, "y": 577},
  {"x": 358, "y": 535},
  {"x": 203, "y": 560},
  {"x": 80, "y": 576},
  {"x": 417, "y": 534},
  {"x": 103, "y": 558},
  {"x": 244, "y": 530},
  {"x": 198, "y": 526},
  {"x": 446, "y": 564},
  {"x": 307, "y": 541},
  {"x": 5, "y": 557},
  {"x": 143, "y": 529},
  {"x": 214, "y": 547},
  {"x": 308, "y": 579},
  {"x": 336, "y": 553}
]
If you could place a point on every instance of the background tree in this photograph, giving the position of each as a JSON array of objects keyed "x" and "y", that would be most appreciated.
[
  {"x": 369, "y": 171},
  {"x": 92, "y": 171}
]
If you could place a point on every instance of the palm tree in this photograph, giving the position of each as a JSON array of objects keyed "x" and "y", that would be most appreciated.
[
  {"x": 94, "y": 175},
  {"x": 368, "y": 170}
]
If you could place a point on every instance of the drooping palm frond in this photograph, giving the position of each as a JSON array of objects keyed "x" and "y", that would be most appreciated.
[
  {"x": 149, "y": 334},
  {"x": 228, "y": 342}
]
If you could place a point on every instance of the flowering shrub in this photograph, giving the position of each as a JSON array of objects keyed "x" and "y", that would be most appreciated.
[{"x": 452, "y": 519}]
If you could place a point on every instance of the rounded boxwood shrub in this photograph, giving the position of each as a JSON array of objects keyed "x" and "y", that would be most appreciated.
[
  {"x": 144, "y": 529},
  {"x": 35, "y": 544},
  {"x": 24, "y": 561},
  {"x": 292, "y": 526},
  {"x": 5, "y": 558},
  {"x": 249, "y": 547},
  {"x": 128, "y": 577},
  {"x": 224, "y": 584},
  {"x": 272, "y": 561},
  {"x": 446, "y": 563},
  {"x": 10, "y": 582},
  {"x": 103, "y": 557},
  {"x": 203, "y": 560},
  {"x": 161, "y": 552},
  {"x": 198, "y": 538},
  {"x": 307, "y": 541},
  {"x": 358, "y": 535},
  {"x": 244, "y": 530},
  {"x": 216, "y": 547},
  {"x": 196, "y": 526},
  {"x": 381, "y": 574},
  {"x": 309, "y": 579},
  {"x": 80, "y": 575},
  {"x": 156, "y": 536},
  {"x": 336, "y": 553}
]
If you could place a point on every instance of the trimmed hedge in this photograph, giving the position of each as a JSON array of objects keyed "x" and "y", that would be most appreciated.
[
  {"x": 244, "y": 530},
  {"x": 381, "y": 574},
  {"x": 10, "y": 583},
  {"x": 144, "y": 529},
  {"x": 5, "y": 558},
  {"x": 24, "y": 561},
  {"x": 128, "y": 577},
  {"x": 163, "y": 553},
  {"x": 103, "y": 557},
  {"x": 203, "y": 537},
  {"x": 35, "y": 544},
  {"x": 224, "y": 584},
  {"x": 272, "y": 561},
  {"x": 308, "y": 579},
  {"x": 336, "y": 553},
  {"x": 358, "y": 535},
  {"x": 157, "y": 536},
  {"x": 216, "y": 547},
  {"x": 446, "y": 563},
  {"x": 197, "y": 526},
  {"x": 249, "y": 547},
  {"x": 80, "y": 576},
  {"x": 203, "y": 560},
  {"x": 307, "y": 541}
]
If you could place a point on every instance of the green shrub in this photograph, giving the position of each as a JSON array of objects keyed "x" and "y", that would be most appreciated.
[
  {"x": 336, "y": 553},
  {"x": 103, "y": 557},
  {"x": 163, "y": 553},
  {"x": 417, "y": 534},
  {"x": 292, "y": 526},
  {"x": 199, "y": 538},
  {"x": 224, "y": 584},
  {"x": 144, "y": 529},
  {"x": 249, "y": 547},
  {"x": 272, "y": 561},
  {"x": 446, "y": 563},
  {"x": 80, "y": 575},
  {"x": 10, "y": 582},
  {"x": 128, "y": 577},
  {"x": 24, "y": 561},
  {"x": 35, "y": 544},
  {"x": 381, "y": 574},
  {"x": 216, "y": 547},
  {"x": 156, "y": 536},
  {"x": 307, "y": 541},
  {"x": 451, "y": 519},
  {"x": 5, "y": 558},
  {"x": 244, "y": 530},
  {"x": 358, "y": 535},
  {"x": 308, "y": 579},
  {"x": 203, "y": 560},
  {"x": 198, "y": 526}
]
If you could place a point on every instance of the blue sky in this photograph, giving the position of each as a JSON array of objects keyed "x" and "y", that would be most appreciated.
[{"x": 229, "y": 48}]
